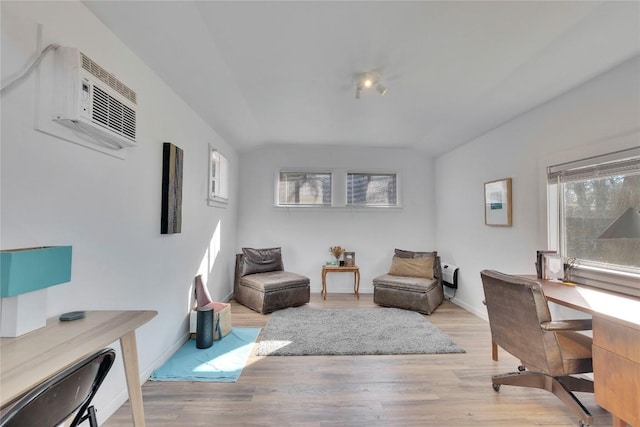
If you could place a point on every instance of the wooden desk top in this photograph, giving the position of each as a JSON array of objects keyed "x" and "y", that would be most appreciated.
[
  {"x": 27, "y": 360},
  {"x": 613, "y": 306}
]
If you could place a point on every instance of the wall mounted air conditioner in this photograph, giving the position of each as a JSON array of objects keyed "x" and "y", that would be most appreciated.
[{"x": 91, "y": 101}]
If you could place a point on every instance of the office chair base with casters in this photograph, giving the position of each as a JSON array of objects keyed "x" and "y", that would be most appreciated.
[{"x": 562, "y": 387}]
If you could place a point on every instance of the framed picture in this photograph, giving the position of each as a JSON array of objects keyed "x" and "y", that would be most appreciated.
[
  {"x": 553, "y": 268},
  {"x": 497, "y": 202},
  {"x": 349, "y": 259}
]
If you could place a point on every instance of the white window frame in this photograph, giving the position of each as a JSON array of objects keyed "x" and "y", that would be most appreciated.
[
  {"x": 591, "y": 273},
  {"x": 319, "y": 171},
  {"x": 373, "y": 173},
  {"x": 218, "y": 179}
]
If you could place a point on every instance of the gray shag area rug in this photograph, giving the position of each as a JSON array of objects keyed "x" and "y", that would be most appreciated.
[{"x": 304, "y": 331}]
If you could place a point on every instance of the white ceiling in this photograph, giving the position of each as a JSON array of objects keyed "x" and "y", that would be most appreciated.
[{"x": 281, "y": 72}]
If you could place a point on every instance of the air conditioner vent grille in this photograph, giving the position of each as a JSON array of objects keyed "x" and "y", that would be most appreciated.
[
  {"x": 111, "y": 113},
  {"x": 89, "y": 65}
]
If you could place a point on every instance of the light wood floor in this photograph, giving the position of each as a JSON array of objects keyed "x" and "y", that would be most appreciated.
[{"x": 323, "y": 391}]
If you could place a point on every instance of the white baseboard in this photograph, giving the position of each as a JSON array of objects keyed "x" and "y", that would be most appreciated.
[
  {"x": 480, "y": 313},
  {"x": 160, "y": 360},
  {"x": 110, "y": 408}
]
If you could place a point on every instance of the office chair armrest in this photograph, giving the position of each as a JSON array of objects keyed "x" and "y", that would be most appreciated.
[{"x": 568, "y": 325}]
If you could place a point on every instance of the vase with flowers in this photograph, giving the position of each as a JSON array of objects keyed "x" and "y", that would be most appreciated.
[
  {"x": 569, "y": 265},
  {"x": 337, "y": 252}
]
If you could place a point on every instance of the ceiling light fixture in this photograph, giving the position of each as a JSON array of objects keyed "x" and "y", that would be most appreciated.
[{"x": 367, "y": 81}]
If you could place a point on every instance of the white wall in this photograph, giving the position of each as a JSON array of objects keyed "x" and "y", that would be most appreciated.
[
  {"x": 54, "y": 192},
  {"x": 306, "y": 234},
  {"x": 599, "y": 116}
]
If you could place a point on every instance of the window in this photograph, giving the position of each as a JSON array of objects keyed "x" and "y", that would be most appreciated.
[
  {"x": 304, "y": 189},
  {"x": 218, "y": 177},
  {"x": 370, "y": 189},
  {"x": 588, "y": 196}
]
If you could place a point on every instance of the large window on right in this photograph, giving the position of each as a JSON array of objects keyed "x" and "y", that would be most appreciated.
[{"x": 596, "y": 202}]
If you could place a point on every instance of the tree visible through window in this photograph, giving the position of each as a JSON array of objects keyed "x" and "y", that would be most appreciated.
[
  {"x": 593, "y": 193},
  {"x": 590, "y": 206},
  {"x": 304, "y": 188},
  {"x": 369, "y": 189}
]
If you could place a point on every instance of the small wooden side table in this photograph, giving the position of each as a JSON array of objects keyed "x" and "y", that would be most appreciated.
[{"x": 341, "y": 269}]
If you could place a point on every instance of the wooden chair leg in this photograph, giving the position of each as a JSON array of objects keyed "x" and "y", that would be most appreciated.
[{"x": 494, "y": 351}]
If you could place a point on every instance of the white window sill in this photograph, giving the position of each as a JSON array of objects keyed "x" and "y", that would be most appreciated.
[
  {"x": 218, "y": 202},
  {"x": 324, "y": 208},
  {"x": 611, "y": 280}
]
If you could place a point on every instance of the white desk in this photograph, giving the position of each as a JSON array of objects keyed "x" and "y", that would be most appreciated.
[{"x": 28, "y": 360}]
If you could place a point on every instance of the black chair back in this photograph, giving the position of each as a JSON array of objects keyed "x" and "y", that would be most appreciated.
[{"x": 57, "y": 399}]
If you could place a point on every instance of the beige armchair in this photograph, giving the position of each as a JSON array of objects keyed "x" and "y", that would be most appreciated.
[
  {"x": 414, "y": 282},
  {"x": 550, "y": 352}
]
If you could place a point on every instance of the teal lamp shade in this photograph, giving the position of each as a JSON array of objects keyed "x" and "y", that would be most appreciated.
[
  {"x": 627, "y": 226},
  {"x": 31, "y": 269}
]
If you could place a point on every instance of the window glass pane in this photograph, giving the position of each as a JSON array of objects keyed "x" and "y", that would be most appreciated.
[
  {"x": 304, "y": 188},
  {"x": 222, "y": 177},
  {"x": 218, "y": 176},
  {"x": 372, "y": 189},
  {"x": 590, "y": 206}
]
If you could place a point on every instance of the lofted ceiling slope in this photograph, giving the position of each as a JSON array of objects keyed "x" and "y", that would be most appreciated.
[{"x": 269, "y": 72}]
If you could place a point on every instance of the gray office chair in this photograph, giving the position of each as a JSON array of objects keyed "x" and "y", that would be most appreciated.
[
  {"x": 58, "y": 398},
  {"x": 550, "y": 352}
]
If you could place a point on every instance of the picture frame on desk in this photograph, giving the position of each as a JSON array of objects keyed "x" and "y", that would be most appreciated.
[
  {"x": 349, "y": 259},
  {"x": 540, "y": 264},
  {"x": 553, "y": 267},
  {"x": 497, "y": 203}
]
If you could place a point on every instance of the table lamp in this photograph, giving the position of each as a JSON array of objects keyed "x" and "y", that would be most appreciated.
[{"x": 24, "y": 276}]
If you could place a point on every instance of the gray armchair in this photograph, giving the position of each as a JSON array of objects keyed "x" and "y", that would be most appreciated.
[
  {"x": 261, "y": 283},
  {"x": 550, "y": 352}
]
